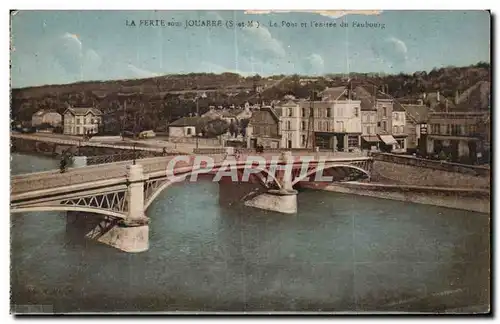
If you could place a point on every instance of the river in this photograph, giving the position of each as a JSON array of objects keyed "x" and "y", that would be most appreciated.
[{"x": 339, "y": 253}]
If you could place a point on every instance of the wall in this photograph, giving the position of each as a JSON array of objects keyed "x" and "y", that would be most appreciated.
[
  {"x": 105, "y": 138},
  {"x": 54, "y": 149},
  {"x": 384, "y": 118},
  {"x": 391, "y": 172},
  {"x": 176, "y": 131},
  {"x": 465, "y": 200},
  {"x": 349, "y": 113},
  {"x": 292, "y": 133}
]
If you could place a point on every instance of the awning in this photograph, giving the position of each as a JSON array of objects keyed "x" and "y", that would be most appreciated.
[
  {"x": 388, "y": 139},
  {"x": 371, "y": 139}
]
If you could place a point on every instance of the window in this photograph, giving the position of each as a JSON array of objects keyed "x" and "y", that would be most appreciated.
[
  {"x": 341, "y": 126},
  {"x": 395, "y": 116},
  {"x": 303, "y": 112},
  {"x": 188, "y": 131},
  {"x": 394, "y": 129},
  {"x": 290, "y": 112},
  {"x": 303, "y": 125},
  {"x": 356, "y": 111},
  {"x": 311, "y": 112},
  {"x": 384, "y": 126},
  {"x": 289, "y": 124},
  {"x": 378, "y": 124},
  {"x": 384, "y": 110},
  {"x": 352, "y": 141},
  {"x": 303, "y": 140},
  {"x": 77, "y": 120},
  {"x": 401, "y": 143},
  {"x": 328, "y": 112}
]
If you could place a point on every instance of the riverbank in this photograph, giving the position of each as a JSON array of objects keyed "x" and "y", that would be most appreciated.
[{"x": 477, "y": 200}]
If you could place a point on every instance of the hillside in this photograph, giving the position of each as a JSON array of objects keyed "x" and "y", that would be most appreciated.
[{"x": 150, "y": 103}]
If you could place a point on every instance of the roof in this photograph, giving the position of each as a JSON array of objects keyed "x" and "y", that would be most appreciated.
[
  {"x": 475, "y": 98},
  {"x": 264, "y": 110},
  {"x": 418, "y": 113},
  {"x": 83, "y": 111},
  {"x": 42, "y": 112},
  {"x": 231, "y": 112},
  {"x": 190, "y": 121},
  {"x": 333, "y": 93},
  {"x": 366, "y": 98}
]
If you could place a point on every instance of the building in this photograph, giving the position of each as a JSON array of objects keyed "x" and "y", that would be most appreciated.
[
  {"x": 383, "y": 120},
  {"x": 369, "y": 138},
  {"x": 416, "y": 118},
  {"x": 460, "y": 136},
  {"x": 264, "y": 128},
  {"x": 80, "y": 121},
  {"x": 290, "y": 128},
  {"x": 399, "y": 129},
  {"x": 186, "y": 126},
  {"x": 229, "y": 115},
  {"x": 48, "y": 117},
  {"x": 336, "y": 124}
]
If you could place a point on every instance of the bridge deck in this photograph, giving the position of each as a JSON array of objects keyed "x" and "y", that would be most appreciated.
[{"x": 96, "y": 173}]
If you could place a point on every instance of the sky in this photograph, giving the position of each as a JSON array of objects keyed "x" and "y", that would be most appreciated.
[{"x": 58, "y": 47}]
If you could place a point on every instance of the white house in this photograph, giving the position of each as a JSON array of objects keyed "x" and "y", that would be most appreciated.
[
  {"x": 80, "y": 121},
  {"x": 184, "y": 127},
  {"x": 290, "y": 124}
]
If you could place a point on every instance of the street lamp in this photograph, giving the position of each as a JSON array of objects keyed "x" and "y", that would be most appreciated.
[{"x": 134, "y": 153}]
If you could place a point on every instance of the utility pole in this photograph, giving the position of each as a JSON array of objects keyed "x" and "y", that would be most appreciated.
[{"x": 197, "y": 115}]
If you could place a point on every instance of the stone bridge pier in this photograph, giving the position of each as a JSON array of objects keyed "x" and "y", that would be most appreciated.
[
  {"x": 283, "y": 200},
  {"x": 130, "y": 234}
]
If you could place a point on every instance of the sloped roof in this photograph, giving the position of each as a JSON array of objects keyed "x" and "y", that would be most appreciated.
[
  {"x": 334, "y": 93},
  {"x": 417, "y": 113},
  {"x": 190, "y": 121},
  {"x": 42, "y": 112},
  {"x": 262, "y": 111},
  {"x": 366, "y": 98},
  {"x": 84, "y": 111},
  {"x": 475, "y": 98}
]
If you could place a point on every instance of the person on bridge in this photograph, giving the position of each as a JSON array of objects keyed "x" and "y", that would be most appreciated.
[{"x": 63, "y": 164}]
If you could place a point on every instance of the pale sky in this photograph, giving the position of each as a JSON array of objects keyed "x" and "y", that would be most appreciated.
[{"x": 56, "y": 47}]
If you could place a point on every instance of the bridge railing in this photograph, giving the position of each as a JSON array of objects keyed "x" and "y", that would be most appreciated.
[
  {"x": 125, "y": 156},
  {"x": 100, "y": 172},
  {"x": 432, "y": 164}
]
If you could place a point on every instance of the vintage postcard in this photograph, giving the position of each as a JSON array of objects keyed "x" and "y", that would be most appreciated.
[{"x": 250, "y": 161}]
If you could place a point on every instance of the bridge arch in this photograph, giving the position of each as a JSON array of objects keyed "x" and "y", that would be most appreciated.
[
  {"x": 52, "y": 208},
  {"x": 330, "y": 166},
  {"x": 182, "y": 177}
]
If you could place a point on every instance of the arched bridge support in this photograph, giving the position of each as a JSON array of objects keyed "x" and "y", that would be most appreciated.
[
  {"x": 132, "y": 233},
  {"x": 282, "y": 200}
]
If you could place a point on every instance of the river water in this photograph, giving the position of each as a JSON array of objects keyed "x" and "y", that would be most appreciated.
[{"x": 339, "y": 253}]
